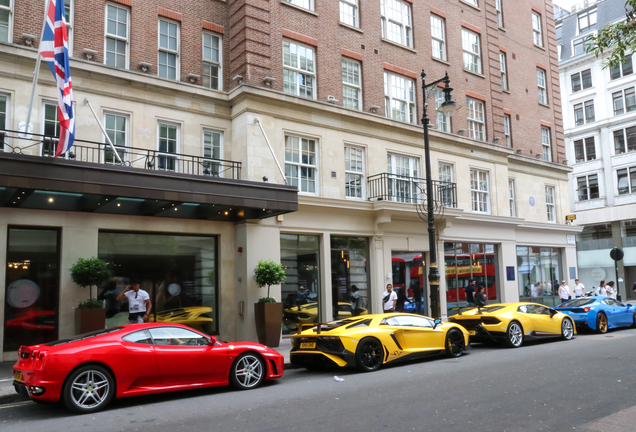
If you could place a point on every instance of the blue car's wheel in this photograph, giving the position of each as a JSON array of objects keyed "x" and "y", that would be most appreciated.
[{"x": 601, "y": 323}]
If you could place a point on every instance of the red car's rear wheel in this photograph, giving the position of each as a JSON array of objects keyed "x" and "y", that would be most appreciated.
[{"x": 88, "y": 389}]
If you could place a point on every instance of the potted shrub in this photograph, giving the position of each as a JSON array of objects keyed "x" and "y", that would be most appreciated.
[
  {"x": 90, "y": 315},
  {"x": 268, "y": 312}
]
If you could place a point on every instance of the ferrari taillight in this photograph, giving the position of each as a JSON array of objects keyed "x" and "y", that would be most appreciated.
[
  {"x": 37, "y": 355},
  {"x": 24, "y": 352},
  {"x": 587, "y": 309}
]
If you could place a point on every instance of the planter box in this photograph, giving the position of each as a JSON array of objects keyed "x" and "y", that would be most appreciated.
[
  {"x": 269, "y": 322},
  {"x": 88, "y": 320}
]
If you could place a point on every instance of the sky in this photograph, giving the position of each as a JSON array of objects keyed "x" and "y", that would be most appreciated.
[{"x": 567, "y": 4}]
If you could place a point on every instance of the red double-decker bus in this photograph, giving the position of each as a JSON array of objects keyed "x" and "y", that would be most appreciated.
[{"x": 461, "y": 268}]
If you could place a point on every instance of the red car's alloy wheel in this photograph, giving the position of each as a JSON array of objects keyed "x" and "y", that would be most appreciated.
[
  {"x": 247, "y": 372},
  {"x": 88, "y": 389}
]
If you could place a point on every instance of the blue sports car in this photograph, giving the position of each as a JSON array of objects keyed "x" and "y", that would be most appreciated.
[{"x": 599, "y": 313}]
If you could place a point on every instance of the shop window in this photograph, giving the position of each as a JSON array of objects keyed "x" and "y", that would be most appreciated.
[
  {"x": 409, "y": 281},
  {"x": 350, "y": 277},
  {"x": 540, "y": 273}
]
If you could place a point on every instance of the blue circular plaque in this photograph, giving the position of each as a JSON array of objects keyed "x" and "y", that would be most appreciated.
[{"x": 532, "y": 201}]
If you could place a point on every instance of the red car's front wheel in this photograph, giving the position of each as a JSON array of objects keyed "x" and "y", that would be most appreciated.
[{"x": 88, "y": 389}]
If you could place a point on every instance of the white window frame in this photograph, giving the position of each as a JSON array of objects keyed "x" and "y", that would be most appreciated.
[
  {"x": 404, "y": 22},
  {"x": 480, "y": 196},
  {"x": 546, "y": 143},
  {"x": 583, "y": 106},
  {"x": 391, "y": 83},
  {"x": 350, "y": 62},
  {"x": 588, "y": 189},
  {"x": 443, "y": 123},
  {"x": 581, "y": 82},
  {"x": 168, "y": 155},
  {"x": 298, "y": 71},
  {"x": 472, "y": 2},
  {"x": 10, "y": 21},
  {"x": 176, "y": 52},
  {"x": 403, "y": 189},
  {"x": 621, "y": 68},
  {"x": 438, "y": 36},
  {"x": 476, "y": 119},
  {"x": 537, "y": 29},
  {"x": 587, "y": 14},
  {"x": 575, "y": 42},
  {"x": 550, "y": 203},
  {"x": 625, "y": 140},
  {"x": 471, "y": 51},
  {"x": 542, "y": 86},
  {"x": 126, "y": 145},
  {"x": 56, "y": 121},
  {"x": 70, "y": 21},
  {"x": 512, "y": 197},
  {"x": 446, "y": 174},
  {"x": 353, "y": 4},
  {"x": 508, "y": 129},
  {"x": 303, "y": 4},
  {"x": 623, "y": 101},
  {"x": 215, "y": 167},
  {"x": 7, "y": 118},
  {"x": 499, "y": 9},
  {"x": 300, "y": 164},
  {"x": 210, "y": 62},
  {"x": 584, "y": 143},
  {"x": 630, "y": 177},
  {"x": 107, "y": 35},
  {"x": 358, "y": 171},
  {"x": 504, "y": 70}
]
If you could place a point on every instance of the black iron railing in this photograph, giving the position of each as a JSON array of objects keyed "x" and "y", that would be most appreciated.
[
  {"x": 412, "y": 190},
  {"x": 100, "y": 153}
]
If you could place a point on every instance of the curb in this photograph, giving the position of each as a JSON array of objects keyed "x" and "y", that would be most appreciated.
[{"x": 11, "y": 398}]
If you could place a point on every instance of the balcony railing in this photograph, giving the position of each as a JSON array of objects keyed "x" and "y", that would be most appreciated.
[
  {"x": 412, "y": 190},
  {"x": 100, "y": 153}
]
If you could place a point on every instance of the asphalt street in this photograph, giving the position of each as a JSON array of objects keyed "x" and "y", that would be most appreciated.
[{"x": 586, "y": 384}]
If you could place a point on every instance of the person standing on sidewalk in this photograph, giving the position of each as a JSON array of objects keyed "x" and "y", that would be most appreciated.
[
  {"x": 139, "y": 305},
  {"x": 470, "y": 292},
  {"x": 579, "y": 289},
  {"x": 564, "y": 292},
  {"x": 611, "y": 291},
  {"x": 389, "y": 298}
]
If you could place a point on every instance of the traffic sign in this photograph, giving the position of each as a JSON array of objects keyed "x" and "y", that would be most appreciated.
[{"x": 616, "y": 254}]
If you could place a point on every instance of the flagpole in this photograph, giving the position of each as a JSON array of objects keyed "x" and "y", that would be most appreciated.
[
  {"x": 36, "y": 73},
  {"x": 104, "y": 131}
]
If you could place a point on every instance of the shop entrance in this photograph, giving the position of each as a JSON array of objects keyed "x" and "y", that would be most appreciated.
[{"x": 409, "y": 281}]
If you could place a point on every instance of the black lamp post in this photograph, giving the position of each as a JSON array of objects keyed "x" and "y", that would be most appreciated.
[{"x": 448, "y": 106}]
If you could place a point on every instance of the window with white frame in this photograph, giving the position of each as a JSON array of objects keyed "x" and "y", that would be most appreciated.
[
  {"x": 584, "y": 149},
  {"x": 587, "y": 187},
  {"x": 508, "y": 129},
  {"x": 50, "y": 128},
  {"x": 625, "y": 140},
  {"x": 503, "y": 70},
  {"x": 69, "y": 12},
  {"x": 472, "y": 2},
  {"x": 4, "y": 118},
  {"x": 354, "y": 172},
  {"x": 403, "y": 178},
  {"x": 446, "y": 179},
  {"x": 479, "y": 189},
  {"x": 541, "y": 84},
  {"x": 512, "y": 197},
  {"x": 301, "y": 165},
  {"x": 550, "y": 203},
  {"x": 168, "y": 50},
  {"x": 546, "y": 143},
  {"x": 299, "y": 70},
  {"x": 399, "y": 97},
  {"x": 6, "y": 20},
  {"x": 117, "y": 36},
  {"x": 396, "y": 21},
  {"x": 626, "y": 180},
  {"x": 443, "y": 123},
  {"x": 305, "y": 4},
  {"x": 212, "y": 152},
  {"x": 351, "y": 84},
  {"x": 499, "y": 8},
  {"x": 536, "y": 29},
  {"x": 581, "y": 80},
  {"x": 472, "y": 51},
  {"x": 212, "y": 61},
  {"x": 584, "y": 113},
  {"x": 622, "y": 69},
  {"x": 586, "y": 20},
  {"x": 438, "y": 37},
  {"x": 168, "y": 144},
  {"x": 349, "y": 12},
  {"x": 579, "y": 46},
  {"x": 476, "y": 119},
  {"x": 116, "y": 126},
  {"x": 624, "y": 101}
]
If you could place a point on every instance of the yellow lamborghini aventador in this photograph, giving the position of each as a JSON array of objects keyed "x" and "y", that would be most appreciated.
[
  {"x": 369, "y": 341},
  {"x": 512, "y": 323}
]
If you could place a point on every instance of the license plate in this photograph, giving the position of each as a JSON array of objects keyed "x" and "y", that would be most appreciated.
[
  {"x": 472, "y": 332},
  {"x": 307, "y": 345},
  {"x": 17, "y": 375}
]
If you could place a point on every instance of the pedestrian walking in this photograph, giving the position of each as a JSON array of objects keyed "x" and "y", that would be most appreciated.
[
  {"x": 480, "y": 297},
  {"x": 564, "y": 292},
  {"x": 579, "y": 289},
  {"x": 601, "y": 291},
  {"x": 139, "y": 305},
  {"x": 389, "y": 298},
  {"x": 611, "y": 291},
  {"x": 470, "y": 292},
  {"x": 355, "y": 301}
]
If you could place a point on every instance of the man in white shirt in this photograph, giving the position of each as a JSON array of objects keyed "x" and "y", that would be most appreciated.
[
  {"x": 389, "y": 297},
  {"x": 564, "y": 292},
  {"x": 139, "y": 304},
  {"x": 579, "y": 288}
]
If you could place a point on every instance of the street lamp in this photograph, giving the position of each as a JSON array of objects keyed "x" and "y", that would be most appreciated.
[{"x": 449, "y": 106}]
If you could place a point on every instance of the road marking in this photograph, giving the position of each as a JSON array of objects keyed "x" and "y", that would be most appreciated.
[
  {"x": 15, "y": 405},
  {"x": 6, "y": 379}
]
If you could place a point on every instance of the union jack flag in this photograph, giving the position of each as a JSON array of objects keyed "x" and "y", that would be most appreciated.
[{"x": 54, "y": 51}]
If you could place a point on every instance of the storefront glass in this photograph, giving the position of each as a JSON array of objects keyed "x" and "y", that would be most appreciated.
[
  {"x": 540, "y": 274},
  {"x": 593, "y": 246},
  {"x": 466, "y": 261},
  {"x": 32, "y": 287},
  {"x": 628, "y": 232},
  {"x": 300, "y": 255},
  {"x": 409, "y": 276},
  {"x": 178, "y": 272},
  {"x": 350, "y": 276}
]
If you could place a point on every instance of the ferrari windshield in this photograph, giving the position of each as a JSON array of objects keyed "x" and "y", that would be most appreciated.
[{"x": 578, "y": 302}]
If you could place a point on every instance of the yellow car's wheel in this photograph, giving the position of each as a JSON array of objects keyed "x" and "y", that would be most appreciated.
[
  {"x": 567, "y": 329},
  {"x": 454, "y": 343},
  {"x": 601, "y": 323},
  {"x": 514, "y": 335},
  {"x": 369, "y": 355}
]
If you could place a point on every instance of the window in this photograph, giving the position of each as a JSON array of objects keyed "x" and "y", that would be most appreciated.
[
  {"x": 559, "y": 31},
  {"x": 351, "y": 84},
  {"x": 438, "y": 37},
  {"x": 443, "y": 119},
  {"x": 508, "y": 129},
  {"x": 623, "y": 136},
  {"x": 479, "y": 190},
  {"x": 177, "y": 336},
  {"x": 168, "y": 145},
  {"x": 69, "y": 12},
  {"x": 399, "y": 97},
  {"x": 116, "y": 126},
  {"x": 624, "y": 101},
  {"x": 536, "y": 29},
  {"x": 502, "y": 68},
  {"x": 354, "y": 172},
  {"x": 626, "y": 184},
  {"x": 403, "y": 178},
  {"x": 6, "y": 21},
  {"x": 621, "y": 70},
  {"x": 212, "y": 142},
  {"x": 349, "y": 12},
  {"x": 587, "y": 20},
  {"x": 587, "y": 187},
  {"x": 584, "y": 113},
  {"x": 396, "y": 21},
  {"x": 117, "y": 36},
  {"x": 543, "y": 94},
  {"x": 550, "y": 203},
  {"x": 511, "y": 197},
  {"x": 51, "y": 128},
  {"x": 299, "y": 73},
  {"x": 305, "y": 4},
  {"x": 140, "y": 337},
  {"x": 584, "y": 150},
  {"x": 446, "y": 184},
  {"x": 545, "y": 143},
  {"x": 581, "y": 80},
  {"x": 301, "y": 163},
  {"x": 476, "y": 119},
  {"x": 579, "y": 46},
  {"x": 4, "y": 114},
  {"x": 500, "y": 21},
  {"x": 212, "y": 61},
  {"x": 472, "y": 2},
  {"x": 168, "y": 50},
  {"x": 472, "y": 51}
]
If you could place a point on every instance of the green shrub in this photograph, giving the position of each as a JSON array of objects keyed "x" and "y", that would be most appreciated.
[
  {"x": 89, "y": 272},
  {"x": 268, "y": 273}
]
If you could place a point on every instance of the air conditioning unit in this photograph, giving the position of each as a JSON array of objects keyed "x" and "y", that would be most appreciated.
[{"x": 331, "y": 99}]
